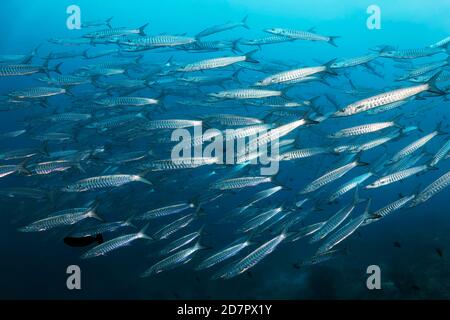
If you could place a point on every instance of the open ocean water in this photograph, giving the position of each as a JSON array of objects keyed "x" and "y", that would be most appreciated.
[{"x": 409, "y": 245}]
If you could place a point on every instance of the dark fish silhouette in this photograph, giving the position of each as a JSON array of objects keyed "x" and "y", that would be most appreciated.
[
  {"x": 83, "y": 241},
  {"x": 439, "y": 252},
  {"x": 397, "y": 244}
]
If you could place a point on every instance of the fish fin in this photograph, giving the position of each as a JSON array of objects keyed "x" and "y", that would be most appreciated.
[
  {"x": 328, "y": 69},
  {"x": 439, "y": 129},
  {"x": 244, "y": 22},
  {"x": 108, "y": 22},
  {"x": 93, "y": 214},
  {"x": 129, "y": 222},
  {"x": 356, "y": 198},
  {"x": 360, "y": 163},
  {"x": 235, "y": 45},
  {"x": 367, "y": 209},
  {"x": 143, "y": 235},
  {"x": 22, "y": 167},
  {"x": 432, "y": 84},
  {"x": 331, "y": 41},
  {"x": 249, "y": 56},
  {"x": 57, "y": 68},
  {"x": 141, "y": 29}
]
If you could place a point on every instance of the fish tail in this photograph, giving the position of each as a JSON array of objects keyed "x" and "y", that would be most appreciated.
[
  {"x": 94, "y": 215},
  {"x": 244, "y": 22},
  {"x": 142, "y": 175},
  {"x": 235, "y": 45},
  {"x": 108, "y": 22},
  {"x": 142, "y": 233},
  {"x": 432, "y": 84},
  {"x": 328, "y": 68},
  {"x": 439, "y": 129},
  {"x": 249, "y": 56},
  {"x": 22, "y": 167},
  {"x": 141, "y": 29},
  {"x": 332, "y": 39}
]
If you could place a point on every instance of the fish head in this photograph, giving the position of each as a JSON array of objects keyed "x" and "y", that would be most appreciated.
[
  {"x": 389, "y": 53},
  {"x": 340, "y": 113},
  {"x": 275, "y": 31}
]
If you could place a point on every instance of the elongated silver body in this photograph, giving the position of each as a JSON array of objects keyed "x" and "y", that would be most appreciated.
[
  {"x": 181, "y": 242},
  {"x": 291, "y": 75},
  {"x": 329, "y": 177},
  {"x": 165, "y": 211},
  {"x": 251, "y": 259},
  {"x": 346, "y": 187},
  {"x": 440, "y": 154},
  {"x": 101, "y": 228},
  {"x": 299, "y": 34},
  {"x": 343, "y": 233},
  {"x": 158, "y": 41},
  {"x": 414, "y": 146},
  {"x": 19, "y": 70},
  {"x": 260, "y": 219},
  {"x": 8, "y": 169},
  {"x": 335, "y": 221},
  {"x": 101, "y": 182},
  {"x": 381, "y": 100},
  {"x": 179, "y": 164},
  {"x": 232, "y": 120},
  {"x": 246, "y": 94},
  {"x": 48, "y": 167},
  {"x": 388, "y": 209},
  {"x": 115, "y": 32},
  {"x": 113, "y": 244},
  {"x": 437, "y": 186},
  {"x": 362, "y": 129},
  {"x": 177, "y": 259},
  {"x": 397, "y": 176},
  {"x": 212, "y": 63},
  {"x": 37, "y": 92},
  {"x": 412, "y": 53},
  {"x": 173, "y": 227},
  {"x": 354, "y": 61},
  {"x": 239, "y": 183},
  {"x": 126, "y": 101},
  {"x": 63, "y": 219},
  {"x": 171, "y": 124},
  {"x": 223, "y": 254}
]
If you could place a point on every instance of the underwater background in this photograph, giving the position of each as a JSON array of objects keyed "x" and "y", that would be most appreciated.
[{"x": 33, "y": 265}]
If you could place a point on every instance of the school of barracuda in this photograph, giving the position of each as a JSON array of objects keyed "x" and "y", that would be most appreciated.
[{"x": 108, "y": 146}]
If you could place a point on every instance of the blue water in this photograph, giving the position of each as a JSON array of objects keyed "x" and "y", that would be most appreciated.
[{"x": 33, "y": 265}]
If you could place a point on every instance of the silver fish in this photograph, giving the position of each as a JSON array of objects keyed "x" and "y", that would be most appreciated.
[
  {"x": 217, "y": 62},
  {"x": 394, "y": 206},
  {"x": 165, "y": 211},
  {"x": 331, "y": 176},
  {"x": 64, "y": 218},
  {"x": 345, "y": 231},
  {"x": 177, "y": 259},
  {"x": 224, "y": 254},
  {"x": 223, "y": 27},
  {"x": 101, "y": 182},
  {"x": 173, "y": 227},
  {"x": 397, "y": 176},
  {"x": 115, "y": 243},
  {"x": 251, "y": 259},
  {"x": 435, "y": 187},
  {"x": 303, "y": 35},
  {"x": 116, "y": 32},
  {"x": 336, "y": 220}
]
